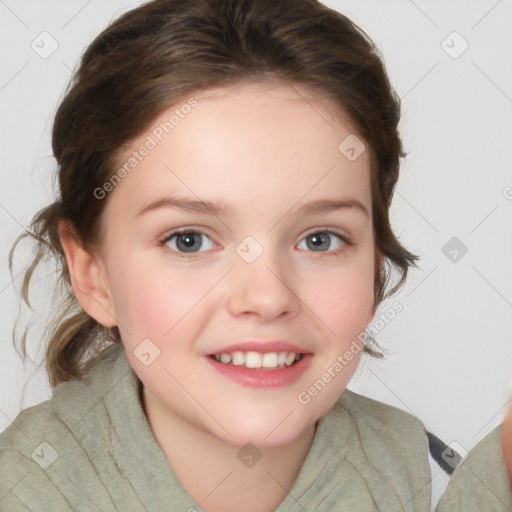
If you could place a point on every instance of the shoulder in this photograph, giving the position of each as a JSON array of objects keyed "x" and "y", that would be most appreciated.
[
  {"x": 49, "y": 432},
  {"x": 27, "y": 447},
  {"x": 69, "y": 402},
  {"x": 22, "y": 437},
  {"x": 480, "y": 481},
  {"x": 386, "y": 432},
  {"x": 378, "y": 415},
  {"x": 382, "y": 444}
]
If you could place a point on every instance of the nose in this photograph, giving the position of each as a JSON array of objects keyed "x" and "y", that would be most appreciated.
[{"x": 264, "y": 289}]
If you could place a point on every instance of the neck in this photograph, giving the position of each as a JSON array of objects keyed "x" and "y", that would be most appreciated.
[{"x": 219, "y": 476}]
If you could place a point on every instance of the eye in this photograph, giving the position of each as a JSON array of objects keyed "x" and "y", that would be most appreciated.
[
  {"x": 187, "y": 243},
  {"x": 183, "y": 242},
  {"x": 322, "y": 239}
]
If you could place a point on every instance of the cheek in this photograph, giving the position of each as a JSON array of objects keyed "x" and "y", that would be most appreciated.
[
  {"x": 150, "y": 299},
  {"x": 344, "y": 299},
  {"x": 142, "y": 297}
]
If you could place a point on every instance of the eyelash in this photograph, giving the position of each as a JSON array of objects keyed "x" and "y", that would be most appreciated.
[{"x": 347, "y": 242}]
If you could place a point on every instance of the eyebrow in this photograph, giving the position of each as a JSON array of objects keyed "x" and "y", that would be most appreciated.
[{"x": 190, "y": 205}]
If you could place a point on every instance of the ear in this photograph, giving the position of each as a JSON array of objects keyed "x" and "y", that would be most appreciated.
[{"x": 88, "y": 276}]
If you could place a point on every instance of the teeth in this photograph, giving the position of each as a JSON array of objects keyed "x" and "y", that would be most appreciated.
[
  {"x": 281, "y": 359},
  {"x": 269, "y": 360},
  {"x": 257, "y": 360},
  {"x": 225, "y": 358},
  {"x": 290, "y": 359},
  {"x": 253, "y": 360},
  {"x": 238, "y": 358}
]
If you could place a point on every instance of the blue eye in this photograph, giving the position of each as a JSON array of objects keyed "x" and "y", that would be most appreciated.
[
  {"x": 322, "y": 238},
  {"x": 187, "y": 243}
]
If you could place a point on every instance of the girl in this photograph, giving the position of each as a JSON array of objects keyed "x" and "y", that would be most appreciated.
[{"x": 226, "y": 169}]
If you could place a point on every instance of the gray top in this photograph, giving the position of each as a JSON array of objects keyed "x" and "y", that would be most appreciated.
[
  {"x": 480, "y": 482},
  {"x": 90, "y": 447}
]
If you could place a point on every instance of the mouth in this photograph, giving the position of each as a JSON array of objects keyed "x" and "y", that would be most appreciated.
[
  {"x": 269, "y": 361},
  {"x": 260, "y": 370}
]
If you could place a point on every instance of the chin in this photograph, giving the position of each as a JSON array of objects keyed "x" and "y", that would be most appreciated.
[{"x": 267, "y": 431}]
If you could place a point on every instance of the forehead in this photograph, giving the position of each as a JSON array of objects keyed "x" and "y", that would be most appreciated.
[{"x": 245, "y": 144}]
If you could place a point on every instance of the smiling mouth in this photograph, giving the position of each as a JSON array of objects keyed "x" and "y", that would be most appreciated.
[{"x": 258, "y": 361}]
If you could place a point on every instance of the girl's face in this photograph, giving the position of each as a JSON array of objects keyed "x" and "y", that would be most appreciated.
[{"x": 267, "y": 259}]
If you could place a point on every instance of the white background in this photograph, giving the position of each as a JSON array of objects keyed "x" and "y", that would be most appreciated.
[{"x": 449, "y": 349}]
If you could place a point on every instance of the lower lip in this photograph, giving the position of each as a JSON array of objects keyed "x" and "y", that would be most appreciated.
[{"x": 256, "y": 378}]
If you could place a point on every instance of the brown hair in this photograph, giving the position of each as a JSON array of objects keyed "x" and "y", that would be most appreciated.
[{"x": 154, "y": 55}]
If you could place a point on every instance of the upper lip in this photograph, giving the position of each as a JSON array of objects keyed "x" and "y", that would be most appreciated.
[{"x": 263, "y": 347}]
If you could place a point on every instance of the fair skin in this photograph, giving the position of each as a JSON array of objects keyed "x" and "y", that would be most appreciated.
[
  {"x": 506, "y": 440},
  {"x": 265, "y": 151}
]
